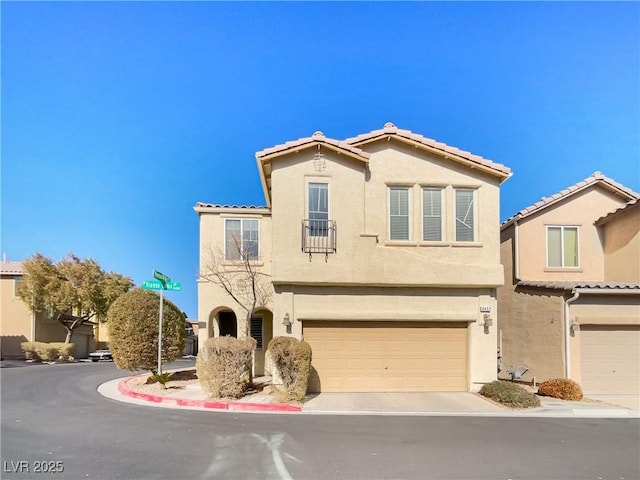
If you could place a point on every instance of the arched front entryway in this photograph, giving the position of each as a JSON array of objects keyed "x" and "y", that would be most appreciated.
[
  {"x": 222, "y": 322},
  {"x": 227, "y": 324}
]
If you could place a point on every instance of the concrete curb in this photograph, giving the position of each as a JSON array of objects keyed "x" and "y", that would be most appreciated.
[{"x": 125, "y": 390}]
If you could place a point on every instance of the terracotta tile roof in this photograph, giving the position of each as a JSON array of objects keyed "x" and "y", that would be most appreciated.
[
  {"x": 624, "y": 208},
  {"x": 595, "y": 178},
  {"x": 216, "y": 205},
  {"x": 563, "y": 285},
  {"x": 317, "y": 138},
  {"x": 390, "y": 130},
  {"x": 11, "y": 268}
]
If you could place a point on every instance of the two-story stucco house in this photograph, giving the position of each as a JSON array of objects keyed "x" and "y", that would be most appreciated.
[
  {"x": 383, "y": 254},
  {"x": 570, "y": 307}
]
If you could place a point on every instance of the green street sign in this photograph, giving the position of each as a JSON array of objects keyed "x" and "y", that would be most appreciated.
[
  {"x": 152, "y": 285},
  {"x": 173, "y": 286},
  {"x": 161, "y": 276}
]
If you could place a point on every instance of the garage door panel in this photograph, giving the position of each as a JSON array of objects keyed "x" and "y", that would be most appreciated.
[
  {"x": 388, "y": 356},
  {"x": 610, "y": 359}
]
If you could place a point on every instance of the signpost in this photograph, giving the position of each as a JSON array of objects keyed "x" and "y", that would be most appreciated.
[{"x": 162, "y": 282}]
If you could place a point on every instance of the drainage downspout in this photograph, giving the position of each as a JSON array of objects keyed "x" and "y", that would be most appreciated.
[
  {"x": 516, "y": 247},
  {"x": 567, "y": 332}
]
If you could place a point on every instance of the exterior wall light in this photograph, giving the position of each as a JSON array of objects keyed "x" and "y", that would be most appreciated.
[{"x": 286, "y": 321}]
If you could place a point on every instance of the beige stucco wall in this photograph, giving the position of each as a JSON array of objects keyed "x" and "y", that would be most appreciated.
[
  {"x": 581, "y": 209},
  {"x": 622, "y": 246},
  {"x": 359, "y": 205},
  {"x": 531, "y": 331},
  {"x": 15, "y": 321}
]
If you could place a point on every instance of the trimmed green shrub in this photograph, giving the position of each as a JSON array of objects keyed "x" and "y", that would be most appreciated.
[
  {"x": 67, "y": 351},
  {"x": 48, "y": 352},
  {"x": 133, "y": 330},
  {"x": 562, "y": 388},
  {"x": 292, "y": 358},
  {"x": 224, "y": 366},
  {"x": 30, "y": 350},
  {"x": 509, "y": 394}
]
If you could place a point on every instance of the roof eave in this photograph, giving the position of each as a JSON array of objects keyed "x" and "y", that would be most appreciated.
[{"x": 502, "y": 174}]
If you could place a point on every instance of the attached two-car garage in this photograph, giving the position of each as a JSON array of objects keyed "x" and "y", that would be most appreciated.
[{"x": 393, "y": 356}]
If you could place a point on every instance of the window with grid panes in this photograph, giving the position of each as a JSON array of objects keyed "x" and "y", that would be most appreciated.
[{"x": 398, "y": 213}]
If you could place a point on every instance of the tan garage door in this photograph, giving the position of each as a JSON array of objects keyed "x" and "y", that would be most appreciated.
[
  {"x": 388, "y": 356},
  {"x": 610, "y": 358}
]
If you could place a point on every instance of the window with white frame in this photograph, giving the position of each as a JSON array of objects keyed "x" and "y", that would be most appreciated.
[
  {"x": 241, "y": 238},
  {"x": 432, "y": 214},
  {"x": 398, "y": 213},
  {"x": 562, "y": 247},
  {"x": 465, "y": 214},
  {"x": 318, "y": 203},
  {"x": 16, "y": 285}
]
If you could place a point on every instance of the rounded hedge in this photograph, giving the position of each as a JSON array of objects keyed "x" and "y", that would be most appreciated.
[
  {"x": 562, "y": 388},
  {"x": 133, "y": 330},
  {"x": 509, "y": 394}
]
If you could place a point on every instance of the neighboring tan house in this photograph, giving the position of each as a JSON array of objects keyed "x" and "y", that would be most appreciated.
[
  {"x": 383, "y": 255},
  {"x": 571, "y": 304},
  {"x": 18, "y": 324}
]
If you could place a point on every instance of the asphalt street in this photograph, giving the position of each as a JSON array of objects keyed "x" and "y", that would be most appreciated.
[{"x": 55, "y": 425}]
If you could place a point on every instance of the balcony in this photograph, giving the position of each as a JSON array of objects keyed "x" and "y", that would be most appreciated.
[{"x": 318, "y": 236}]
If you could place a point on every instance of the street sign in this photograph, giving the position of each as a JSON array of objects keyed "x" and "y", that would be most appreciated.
[
  {"x": 173, "y": 286},
  {"x": 161, "y": 276},
  {"x": 152, "y": 285}
]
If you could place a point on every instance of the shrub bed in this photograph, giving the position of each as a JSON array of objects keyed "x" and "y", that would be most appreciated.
[
  {"x": 509, "y": 394},
  {"x": 562, "y": 388},
  {"x": 292, "y": 358},
  {"x": 48, "y": 352},
  {"x": 224, "y": 366}
]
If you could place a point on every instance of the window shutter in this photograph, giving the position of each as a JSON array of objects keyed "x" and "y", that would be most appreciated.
[
  {"x": 432, "y": 214},
  {"x": 464, "y": 215},
  {"x": 399, "y": 214},
  {"x": 256, "y": 331}
]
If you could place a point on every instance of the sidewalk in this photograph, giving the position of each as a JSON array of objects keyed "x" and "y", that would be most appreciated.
[{"x": 425, "y": 404}]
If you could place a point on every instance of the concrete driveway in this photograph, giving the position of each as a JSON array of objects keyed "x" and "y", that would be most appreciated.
[{"x": 631, "y": 401}]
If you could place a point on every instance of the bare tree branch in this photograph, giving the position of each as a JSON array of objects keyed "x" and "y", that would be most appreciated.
[{"x": 239, "y": 276}]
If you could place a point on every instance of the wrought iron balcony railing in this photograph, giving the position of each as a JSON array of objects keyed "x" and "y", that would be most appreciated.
[{"x": 318, "y": 236}]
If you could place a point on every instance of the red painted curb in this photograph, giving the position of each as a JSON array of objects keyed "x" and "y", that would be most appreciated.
[{"x": 124, "y": 389}]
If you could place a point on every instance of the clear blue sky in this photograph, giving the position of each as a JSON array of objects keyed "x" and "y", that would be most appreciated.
[{"x": 118, "y": 117}]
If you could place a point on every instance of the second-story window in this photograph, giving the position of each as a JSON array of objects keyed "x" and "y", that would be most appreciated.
[
  {"x": 465, "y": 215},
  {"x": 398, "y": 213},
  {"x": 318, "y": 209},
  {"x": 562, "y": 247},
  {"x": 432, "y": 214},
  {"x": 241, "y": 238}
]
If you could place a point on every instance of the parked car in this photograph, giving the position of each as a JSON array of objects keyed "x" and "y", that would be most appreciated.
[{"x": 100, "y": 355}]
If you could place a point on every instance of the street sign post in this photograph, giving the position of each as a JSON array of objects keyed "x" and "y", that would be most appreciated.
[
  {"x": 161, "y": 276},
  {"x": 152, "y": 285},
  {"x": 173, "y": 286}
]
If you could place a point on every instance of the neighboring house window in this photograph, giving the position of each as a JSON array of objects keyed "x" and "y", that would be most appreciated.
[
  {"x": 465, "y": 221},
  {"x": 16, "y": 284},
  {"x": 398, "y": 213},
  {"x": 256, "y": 331},
  {"x": 432, "y": 214},
  {"x": 562, "y": 247},
  {"x": 241, "y": 235},
  {"x": 318, "y": 209}
]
